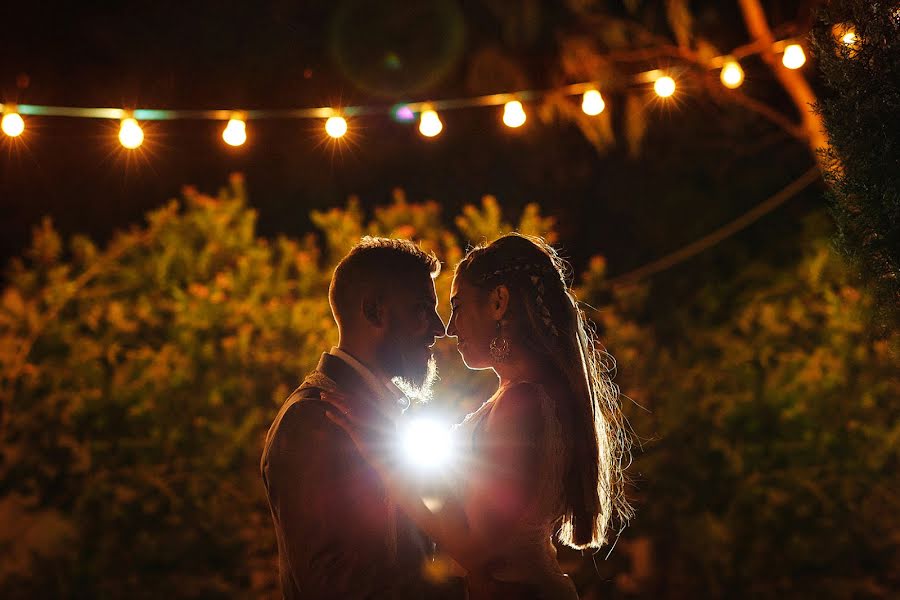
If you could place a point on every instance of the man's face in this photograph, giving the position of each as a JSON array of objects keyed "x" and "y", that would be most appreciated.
[{"x": 413, "y": 326}]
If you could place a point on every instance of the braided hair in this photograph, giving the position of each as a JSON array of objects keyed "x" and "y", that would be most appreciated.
[{"x": 549, "y": 322}]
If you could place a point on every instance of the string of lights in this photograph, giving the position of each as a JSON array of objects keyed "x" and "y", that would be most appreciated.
[{"x": 514, "y": 115}]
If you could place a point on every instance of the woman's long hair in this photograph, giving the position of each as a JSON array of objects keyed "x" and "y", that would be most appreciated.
[{"x": 550, "y": 322}]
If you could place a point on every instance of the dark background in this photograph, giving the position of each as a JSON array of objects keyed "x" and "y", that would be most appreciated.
[{"x": 702, "y": 163}]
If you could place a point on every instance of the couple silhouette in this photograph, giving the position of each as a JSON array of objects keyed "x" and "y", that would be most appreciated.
[{"x": 542, "y": 458}]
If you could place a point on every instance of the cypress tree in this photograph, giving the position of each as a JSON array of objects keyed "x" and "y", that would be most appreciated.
[{"x": 858, "y": 47}]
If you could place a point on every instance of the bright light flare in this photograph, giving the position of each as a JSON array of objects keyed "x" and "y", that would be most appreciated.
[
  {"x": 793, "y": 57},
  {"x": 513, "y": 114},
  {"x": 592, "y": 103},
  {"x": 849, "y": 38},
  {"x": 430, "y": 123},
  {"x": 12, "y": 124},
  {"x": 336, "y": 127},
  {"x": 235, "y": 133},
  {"x": 732, "y": 75},
  {"x": 426, "y": 444},
  {"x": 664, "y": 86},
  {"x": 130, "y": 134}
]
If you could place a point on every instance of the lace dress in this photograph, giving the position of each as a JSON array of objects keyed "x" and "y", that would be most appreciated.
[{"x": 525, "y": 566}]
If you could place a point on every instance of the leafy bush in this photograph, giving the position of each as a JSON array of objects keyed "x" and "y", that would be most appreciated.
[{"x": 138, "y": 381}]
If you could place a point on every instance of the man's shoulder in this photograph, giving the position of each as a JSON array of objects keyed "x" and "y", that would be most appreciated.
[{"x": 306, "y": 410}]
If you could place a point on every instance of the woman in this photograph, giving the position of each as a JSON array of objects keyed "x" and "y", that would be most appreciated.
[{"x": 544, "y": 454}]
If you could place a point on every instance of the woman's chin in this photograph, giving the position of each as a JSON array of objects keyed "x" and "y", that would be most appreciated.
[{"x": 470, "y": 361}]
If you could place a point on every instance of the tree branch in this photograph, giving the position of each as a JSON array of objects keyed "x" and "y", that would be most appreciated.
[{"x": 792, "y": 81}]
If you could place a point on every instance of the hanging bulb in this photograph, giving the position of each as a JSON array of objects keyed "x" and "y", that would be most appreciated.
[
  {"x": 849, "y": 38},
  {"x": 664, "y": 86},
  {"x": 592, "y": 103},
  {"x": 513, "y": 114},
  {"x": 235, "y": 133},
  {"x": 793, "y": 58},
  {"x": 130, "y": 133},
  {"x": 732, "y": 74},
  {"x": 336, "y": 126},
  {"x": 430, "y": 123},
  {"x": 12, "y": 124}
]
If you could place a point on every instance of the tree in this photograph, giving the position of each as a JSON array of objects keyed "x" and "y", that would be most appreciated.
[
  {"x": 769, "y": 416},
  {"x": 860, "y": 107}
]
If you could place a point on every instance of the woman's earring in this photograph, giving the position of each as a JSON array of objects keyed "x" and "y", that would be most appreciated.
[{"x": 499, "y": 346}]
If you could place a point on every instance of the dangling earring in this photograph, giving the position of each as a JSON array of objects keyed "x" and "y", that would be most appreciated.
[{"x": 499, "y": 346}]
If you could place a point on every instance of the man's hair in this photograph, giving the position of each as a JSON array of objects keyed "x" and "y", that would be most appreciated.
[{"x": 376, "y": 264}]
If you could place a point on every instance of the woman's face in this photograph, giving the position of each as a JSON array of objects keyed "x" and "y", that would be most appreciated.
[{"x": 473, "y": 322}]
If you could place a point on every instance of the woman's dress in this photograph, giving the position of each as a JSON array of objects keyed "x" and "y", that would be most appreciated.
[{"x": 525, "y": 564}]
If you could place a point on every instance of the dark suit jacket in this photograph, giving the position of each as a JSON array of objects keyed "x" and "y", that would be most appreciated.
[{"x": 338, "y": 536}]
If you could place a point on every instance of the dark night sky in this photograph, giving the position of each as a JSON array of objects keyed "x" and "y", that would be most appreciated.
[{"x": 695, "y": 173}]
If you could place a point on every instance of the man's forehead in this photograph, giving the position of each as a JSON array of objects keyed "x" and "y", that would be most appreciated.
[{"x": 417, "y": 287}]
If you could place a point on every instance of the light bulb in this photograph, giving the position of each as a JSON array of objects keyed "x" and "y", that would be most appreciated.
[
  {"x": 130, "y": 133},
  {"x": 235, "y": 133},
  {"x": 664, "y": 86},
  {"x": 592, "y": 103},
  {"x": 793, "y": 58},
  {"x": 732, "y": 75},
  {"x": 513, "y": 114},
  {"x": 430, "y": 123},
  {"x": 336, "y": 126},
  {"x": 849, "y": 38},
  {"x": 12, "y": 124}
]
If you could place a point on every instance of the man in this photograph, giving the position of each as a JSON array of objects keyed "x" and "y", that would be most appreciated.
[{"x": 339, "y": 535}]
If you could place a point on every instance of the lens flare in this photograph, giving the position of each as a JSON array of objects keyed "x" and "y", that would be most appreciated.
[
  {"x": 404, "y": 114},
  {"x": 426, "y": 444}
]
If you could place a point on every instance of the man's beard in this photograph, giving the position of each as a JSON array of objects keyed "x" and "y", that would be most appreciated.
[
  {"x": 421, "y": 389},
  {"x": 414, "y": 378}
]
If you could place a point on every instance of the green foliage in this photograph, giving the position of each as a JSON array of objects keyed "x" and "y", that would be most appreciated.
[
  {"x": 770, "y": 434},
  {"x": 138, "y": 381},
  {"x": 860, "y": 107}
]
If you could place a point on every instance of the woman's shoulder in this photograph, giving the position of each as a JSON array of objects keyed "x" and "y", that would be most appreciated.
[{"x": 521, "y": 404}]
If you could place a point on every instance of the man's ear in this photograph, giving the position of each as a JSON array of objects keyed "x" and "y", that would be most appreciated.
[
  {"x": 499, "y": 300},
  {"x": 373, "y": 310}
]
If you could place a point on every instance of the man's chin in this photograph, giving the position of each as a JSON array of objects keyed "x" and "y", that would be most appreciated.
[{"x": 418, "y": 384}]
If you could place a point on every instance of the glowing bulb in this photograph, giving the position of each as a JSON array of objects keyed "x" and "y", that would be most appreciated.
[
  {"x": 513, "y": 114},
  {"x": 130, "y": 134},
  {"x": 12, "y": 124},
  {"x": 427, "y": 444},
  {"x": 793, "y": 58},
  {"x": 732, "y": 75},
  {"x": 849, "y": 38},
  {"x": 592, "y": 103},
  {"x": 235, "y": 133},
  {"x": 430, "y": 123},
  {"x": 664, "y": 86},
  {"x": 336, "y": 126}
]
